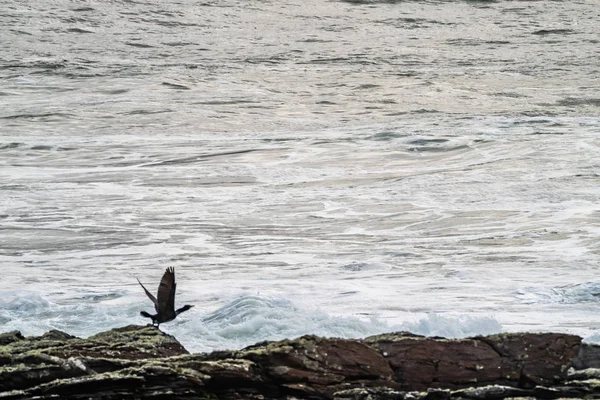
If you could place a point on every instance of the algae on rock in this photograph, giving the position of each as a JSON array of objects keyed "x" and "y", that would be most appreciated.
[{"x": 141, "y": 362}]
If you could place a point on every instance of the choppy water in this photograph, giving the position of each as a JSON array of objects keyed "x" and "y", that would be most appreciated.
[{"x": 330, "y": 167}]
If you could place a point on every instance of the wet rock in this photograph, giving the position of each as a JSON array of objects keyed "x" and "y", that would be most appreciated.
[
  {"x": 56, "y": 355},
  {"x": 55, "y": 335},
  {"x": 490, "y": 393},
  {"x": 519, "y": 360},
  {"x": 230, "y": 378},
  {"x": 588, "y": 357},
  {"x": 314, "y": 366},
  {"x": 541, "y": 359},
  {"x": 9, "y": 337},
  {"x": 141, "y": 362},
  {"x": 135, "y": 342},
  {"x": 585, "y": 374},
  {"x": 378, "y": 393}
]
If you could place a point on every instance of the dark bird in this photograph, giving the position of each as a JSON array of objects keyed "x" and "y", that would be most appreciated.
[{"x": 164, "y": 302}]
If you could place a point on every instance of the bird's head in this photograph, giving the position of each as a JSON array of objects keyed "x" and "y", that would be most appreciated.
[{"x": 184, "y": 308}]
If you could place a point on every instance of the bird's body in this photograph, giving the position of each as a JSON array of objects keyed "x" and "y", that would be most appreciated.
[{"x": 164, "y": 302}]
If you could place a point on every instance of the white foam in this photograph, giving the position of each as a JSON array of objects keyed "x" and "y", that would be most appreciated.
[
  {"x": 454, "y": 326},
  {"x": 241, "y": 322},
  {"x": 250, "y": 318},
  {"x": 593, "y": 338},
  {"x": 579, "y": 293},
  {"x": 341, "y": 234}
]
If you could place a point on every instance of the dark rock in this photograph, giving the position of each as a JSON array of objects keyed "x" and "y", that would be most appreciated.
[
  {"x": 588, "y": 357},
  {"x": 141, "y": 362},
  {"x": 583, "y": 375},
  {"x": 314, "y": 366},
  {"x": 492, "y": 392},
  {"x": 378, "y": 393},
  {"x": 139, "y": 342},
  {"x": 58, "y": 356},
  {"x": 520, "y": 360},
  {"x": 589, "y": 389},
  {"x": 434, "y": 394},
  {"x": 420, "y": 363},
  {"x": 541, "y": 359},
  {"x": 56, "y": 335},
  {"x": 9, "y": 337},
  {"x": 228, "y": 377}
]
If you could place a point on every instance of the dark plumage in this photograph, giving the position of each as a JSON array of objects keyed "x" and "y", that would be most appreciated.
[{"x": 164, "y": 302}]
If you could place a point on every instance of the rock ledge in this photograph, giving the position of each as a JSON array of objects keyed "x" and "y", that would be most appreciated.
[{"x": 140, "y": 362}]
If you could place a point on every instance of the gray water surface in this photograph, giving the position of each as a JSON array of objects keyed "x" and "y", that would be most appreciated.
[{"x": 331, "y": 167}]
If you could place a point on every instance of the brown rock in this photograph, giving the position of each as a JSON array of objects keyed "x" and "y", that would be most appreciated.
[
  {"x": 316, "y": 366},
  {"x": 137, "y": 362},
  {"x": 541, "y": 358},
  {"x": 420, "y": 363},
  {"x": 521, "y": 360}
]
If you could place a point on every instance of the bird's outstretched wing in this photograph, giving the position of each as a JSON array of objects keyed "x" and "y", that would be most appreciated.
[
  {"x": 171, "y": 301},
  {"x": 150, "y": 295},
  {"x": 166, "y": 292}
]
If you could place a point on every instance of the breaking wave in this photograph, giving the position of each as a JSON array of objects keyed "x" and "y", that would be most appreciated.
[{"x": 242, "y": 321}]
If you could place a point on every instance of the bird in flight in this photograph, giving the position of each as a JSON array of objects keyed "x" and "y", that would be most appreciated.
[{"x": 164, "y": 302}]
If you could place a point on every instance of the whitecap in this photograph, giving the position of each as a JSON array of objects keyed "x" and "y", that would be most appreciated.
[
  {"x": 454, "y": 326},
  {"x": 240, "y": 322},
  {"x": 251, "y": 318}
]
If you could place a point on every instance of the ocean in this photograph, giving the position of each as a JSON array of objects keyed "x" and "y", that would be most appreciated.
[{"x": 342, "y": 168}]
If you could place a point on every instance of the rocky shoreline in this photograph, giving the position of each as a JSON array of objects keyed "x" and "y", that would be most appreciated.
[{"x": 141, "y": 362}]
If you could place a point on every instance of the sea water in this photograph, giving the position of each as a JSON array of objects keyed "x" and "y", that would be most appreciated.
[{"x": 342, "y": 168}]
